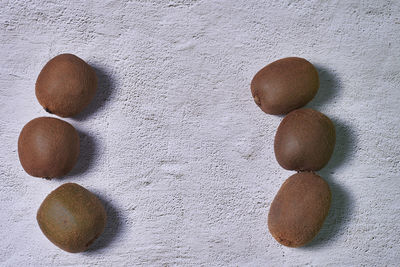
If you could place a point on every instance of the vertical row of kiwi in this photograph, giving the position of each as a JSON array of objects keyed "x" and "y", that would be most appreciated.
[
  {"x": 71, "y": 216},
  {"x": 304, "y": 142}
]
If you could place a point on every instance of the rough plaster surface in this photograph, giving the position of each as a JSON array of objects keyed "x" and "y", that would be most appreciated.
[{"x": 174, "y": 144}]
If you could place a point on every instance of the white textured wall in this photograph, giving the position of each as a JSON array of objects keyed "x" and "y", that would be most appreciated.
[{"x": 174, "y": 144}]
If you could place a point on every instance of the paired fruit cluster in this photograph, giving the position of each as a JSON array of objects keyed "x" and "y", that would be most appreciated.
[
  {"x": 304, "y": 142},
  {"x": 71, "y": 216}
]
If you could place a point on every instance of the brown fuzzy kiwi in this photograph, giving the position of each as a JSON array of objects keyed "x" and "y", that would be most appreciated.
[
  {"x": 285, "y": 85},
  {"x": 299, "y": 209},
  {"x": 72, "y": 217},
  {"x": 305, "y": 140},
  {"x": 48, "y": 147},
  {"x": 66, "y": 85}
]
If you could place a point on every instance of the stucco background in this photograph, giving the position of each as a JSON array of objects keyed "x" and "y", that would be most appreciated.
[{"x": 176, "y": 148}]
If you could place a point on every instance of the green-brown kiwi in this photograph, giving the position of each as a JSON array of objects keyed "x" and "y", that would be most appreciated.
[
  {"x": 48, "y": 147},
  {"x": 305, "y": 140},
  {"x": 299, "y": 209},
  {"x": 66, "y": 85},
  {"x": 285, "y": 85},
  {"x": 72, "y": 217}
]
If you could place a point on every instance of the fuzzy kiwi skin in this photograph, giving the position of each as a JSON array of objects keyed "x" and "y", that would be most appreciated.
[
  {"x": 299, "y": 209},
  {"x": 284, "y": 85},
  {"x": 48, "y": 147},
  {"x": 305, "y": 140},
  {"x": 71, "y": 217},
  {"x": 66, "y": 85}
]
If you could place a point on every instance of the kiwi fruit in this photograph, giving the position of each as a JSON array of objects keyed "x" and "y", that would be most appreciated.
[
  {"x": 48, "y": 147},
  {"x": 66, "y": 85},
  {"x": 305, "y": 140},
  {"x": 72, "y": 217},
  {"x": 299, "y": 209},
  {"x": 285, "y": 85}
]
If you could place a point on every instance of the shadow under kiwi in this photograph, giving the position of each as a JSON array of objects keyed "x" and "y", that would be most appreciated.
[
  {"x": 343, "y": 202},
  {"x": 88, "y": 152},
  {"x": 346, "y": 142},
  {"x": 105, "y": 89},
  {"x": 114, "y": 227},
  {"x": 339, "y": 216},
  {"x": 330, "y": 87}
]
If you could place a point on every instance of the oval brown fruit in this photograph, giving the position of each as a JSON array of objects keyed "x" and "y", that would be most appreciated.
[
  {"x": 305, "y": 140},
  {"x": 66, "y": 85},
  {"x": 299, "y": 209},
  {"x": 285, "y": 85},
  {"x": 71, "y": 217},
  {"x": 48, "y": 147}
]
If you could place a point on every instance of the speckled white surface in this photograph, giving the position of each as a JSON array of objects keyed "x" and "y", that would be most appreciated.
[{"x": 174, "y": 144}]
